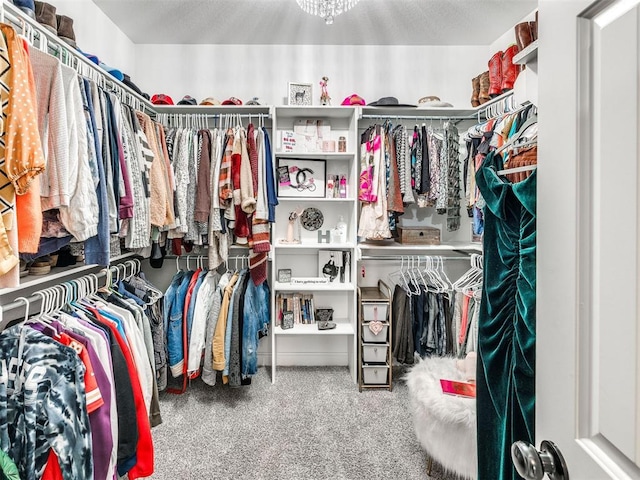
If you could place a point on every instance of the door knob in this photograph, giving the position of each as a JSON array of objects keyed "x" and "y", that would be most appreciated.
[{"x": 532, "y": 464}]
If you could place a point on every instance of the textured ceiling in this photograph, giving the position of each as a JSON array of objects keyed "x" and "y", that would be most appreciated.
[{"x": 371, "y": 22}]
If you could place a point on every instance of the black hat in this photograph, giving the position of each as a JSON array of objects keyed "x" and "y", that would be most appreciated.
[
  {"x": 188, "y": 100},
  {"x": 388, "y": 102}
]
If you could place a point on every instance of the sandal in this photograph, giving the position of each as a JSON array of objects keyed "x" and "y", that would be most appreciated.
[{"x": 40, "y": 266}]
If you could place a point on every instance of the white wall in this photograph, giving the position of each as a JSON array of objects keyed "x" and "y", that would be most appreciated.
[
  {"x": 245, "y": 71},
  {"x": 97, "y": 34},
  {"x": 508, "y": 37}
]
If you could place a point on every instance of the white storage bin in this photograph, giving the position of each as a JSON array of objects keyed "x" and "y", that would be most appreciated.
[
  {"x": 369, "y": 337},
  {"x": 375, "y": 374},
  {"x": 375, "y": 353},
  {"x": 374, "y": 311}
]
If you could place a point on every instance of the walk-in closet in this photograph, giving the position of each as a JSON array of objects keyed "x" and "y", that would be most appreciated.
[{"x": 319, "y": 239}]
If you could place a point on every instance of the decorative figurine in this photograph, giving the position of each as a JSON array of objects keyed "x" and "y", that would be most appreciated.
[
  {"x": 294, "y": 218},
  {"x": 325, "y": 99}
]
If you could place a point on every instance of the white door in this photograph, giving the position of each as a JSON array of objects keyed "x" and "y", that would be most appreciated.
[{"x": 588, "y": 361}]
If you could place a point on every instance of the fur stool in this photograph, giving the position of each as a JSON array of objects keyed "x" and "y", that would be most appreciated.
[{"x": 445, "y": 424}]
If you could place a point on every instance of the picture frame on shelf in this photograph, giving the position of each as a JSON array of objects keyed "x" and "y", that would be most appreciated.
[
  {"x": 331, "y": 265},
  {"x": 300, "y": 93},
  {"x": 324, "y": 314},
  {"x": 301, "y": 178},
  {"x": 287, "y": 320},
  {"x": 284, "y": 275}
]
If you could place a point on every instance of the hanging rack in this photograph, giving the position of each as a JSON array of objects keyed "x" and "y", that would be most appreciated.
[
  {"x": 201, "y": 120},
  {"x": 399, "y": 258},
  {"x": 497, "y": 106},
  {"x": 47, "y": 42},
  {"x": 42, "y": 299},
  {"x": 418, "y": 118}
]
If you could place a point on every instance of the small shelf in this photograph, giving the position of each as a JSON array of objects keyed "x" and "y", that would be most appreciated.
[
  {"x": 214, "y": 109},
  {"x": 418, "y": 112},
  {"x": 298, "y": 111},
  {"x": 62, "y": 274},
  {"x": 342, "y": 328},
  {"x": 313, "y": 246},
  {"x": 317, "y": 199},
  {"x": 316, "y": 155},
  {"x": 314, "y": 287},
  {"x": 398, "y": 247},
  {"x": 528, "y": 54}
]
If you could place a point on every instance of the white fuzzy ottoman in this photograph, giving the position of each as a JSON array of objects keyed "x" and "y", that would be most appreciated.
[{"x": 445, "y": 424}]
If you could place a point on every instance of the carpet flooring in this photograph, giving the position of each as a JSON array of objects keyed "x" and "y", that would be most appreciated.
[{"x": 312, "y": 424}]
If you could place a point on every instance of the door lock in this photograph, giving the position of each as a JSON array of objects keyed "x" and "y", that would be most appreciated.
[{"x": 532, "y": 464}]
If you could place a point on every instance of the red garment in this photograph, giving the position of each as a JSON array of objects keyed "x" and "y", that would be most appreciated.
[
  {"x": 144, "y": 451},
  {"x": 241, "y": 228},
  {"x": 259, "y": 239},
  {"x": 52, "y": 470}
]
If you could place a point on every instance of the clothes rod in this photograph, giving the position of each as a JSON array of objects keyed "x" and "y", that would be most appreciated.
[
  {"x": 172, "y": 116},
  {"x": 416, "y": 118},
  {"x": 400, "y": 258}
]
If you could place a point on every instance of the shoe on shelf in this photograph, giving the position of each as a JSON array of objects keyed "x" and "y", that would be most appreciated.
[
  {"x": 46, "y": 16},
  {"x": 65, "y": 30},
  {"x": 27, "y": 6},
  {"x": 326, "y": 325},
  {"x": 495, "y": 74},
  {"x": 484, "y": 97},
  {"x": 40, "y": 266},
  {"x": 524, "y": 35},
  {"x": 24, "y": 270},
  {"x": 510, "y": 70},
  {"x": 65, "y": 258},
  {"x": 475, "y": 83}
]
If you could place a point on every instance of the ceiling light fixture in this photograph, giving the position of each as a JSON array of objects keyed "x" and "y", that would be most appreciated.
[{"x": 326, "y": 9}]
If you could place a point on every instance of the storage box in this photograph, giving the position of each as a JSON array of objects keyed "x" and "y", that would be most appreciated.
[
  {"x": 375, "y": 374},
  {"x": 374, "y": 353},
  {"x": 374, "y": 311},
  {"x": 419, "y": 235},
  {"x": 369, "y": 337}
]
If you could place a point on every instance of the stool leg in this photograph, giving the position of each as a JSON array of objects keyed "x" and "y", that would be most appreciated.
[{"x": 429, "y": 465}]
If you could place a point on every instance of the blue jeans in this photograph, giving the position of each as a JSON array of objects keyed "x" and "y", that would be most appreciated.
[{"x": 256, "y": 324}]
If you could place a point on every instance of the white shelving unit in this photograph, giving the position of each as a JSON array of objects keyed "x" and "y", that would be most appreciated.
[
  {"x": 305, "y": 344},
  {"x": 527, "y": 55}
]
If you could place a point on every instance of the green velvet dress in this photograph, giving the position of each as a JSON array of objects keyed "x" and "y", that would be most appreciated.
[{"x": 507, "y": 323}]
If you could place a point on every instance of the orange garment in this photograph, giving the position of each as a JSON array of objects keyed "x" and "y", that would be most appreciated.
[
  {"x": 29, "y": 215},
  {"x": 24, "y": 157},
  {"x": 23, "y": 149}
]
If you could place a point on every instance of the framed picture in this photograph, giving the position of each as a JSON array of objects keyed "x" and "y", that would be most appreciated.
[
  {"x": 287, "y": 320},
  {"x": 301, "y": 178},
  {"x": 300, "y": 93},
  {"x": 284, "y": 275},
  {"x": 331, "y": 265}
]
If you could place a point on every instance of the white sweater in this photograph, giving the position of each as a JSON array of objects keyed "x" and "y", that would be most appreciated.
[{"x": 80, "y": 217}]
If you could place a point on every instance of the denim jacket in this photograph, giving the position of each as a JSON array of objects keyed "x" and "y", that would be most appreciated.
[{"x": 256, "y": 324}]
